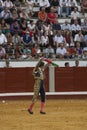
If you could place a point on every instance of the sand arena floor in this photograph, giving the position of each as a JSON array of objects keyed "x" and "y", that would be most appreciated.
[{"x": 60, "y": 115}]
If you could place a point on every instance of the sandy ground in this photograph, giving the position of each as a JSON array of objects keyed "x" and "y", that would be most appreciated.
[{"x": 60, "y": 115}]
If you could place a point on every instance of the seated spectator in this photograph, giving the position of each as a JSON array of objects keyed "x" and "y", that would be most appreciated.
[
  {"x": 51, "y": 17},
  {"x": 30, "y": 5},
  {"x": 36, "y": 51},
  {"x": 65, "y": 7},
  {"x": 66, "y": 64},
  {"x": 84, "y": 54},
  {"x": 61, "y": 52},
  {"x": 3, "y": 39},
  {"x": 1, "y": 5},
  {"x": 73, "y": 4},
  {"x": 75, "y": 28},
  {"x": 47, "y": 28},
  {"x": 15, "y": 27},
  {"x": 66, "y": 26},
  {"x": 84, "y": 6},
  {"x": 17, "y": 4},
  {"x": 2, "y": 52},
  {"x": 68, "y": 38},
  {"x": 8, "y": 4},
  {"x": 49, "y": 52},
  {"x": 6, "y": 14},
  {"x": 58, "y": 38},
  {"x": 31, "y": 27},
  {"x": 27, "y": 40},
  {"x": 23, "y": 14},
  {"x": 84, "y": 26},
  {"x": 23, "y": 26},
  {"x": 75, "y": 16},
  {"x": 79, "y": 50},
  {"x": 56, "y": 6},
  {"x": 79, "y": 38},
  {"x": 42, "y": 15},
  {"x": 44, "y": 40},
  {"x": 14, "y": 15},
  {"x": 56, "y": 26},
  {"x": 4, "y": 26},
  {"x": 45, "y": 4},
  {"x": 16, "y": 39},
  {"x": 9, "y": 38},
  {"x": 9, "y": 52},
  {"x": 19, "y": 52}
]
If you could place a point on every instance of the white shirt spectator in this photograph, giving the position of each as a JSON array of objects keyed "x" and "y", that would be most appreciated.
[
  {"x": 61, "y": 51},
  {"x": 75, "y": 27},
  {"x": 3, "y": 39},
  {"x": 75, "y": 14},
  {"x": 8, "y": 4},
  {"x": 66, "y": 26},
  {"x": 1, "y": 3},
  {"x": 58, "y": 39},
  {"x": 44, "y": 3},
  {"x": 78, "y": 38}
]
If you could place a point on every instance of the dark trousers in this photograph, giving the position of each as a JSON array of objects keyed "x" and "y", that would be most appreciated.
[{"x": 42, "y": 91}]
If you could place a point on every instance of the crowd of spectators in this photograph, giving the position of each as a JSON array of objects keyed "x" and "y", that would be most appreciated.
[{"x": 22, "y": 38}]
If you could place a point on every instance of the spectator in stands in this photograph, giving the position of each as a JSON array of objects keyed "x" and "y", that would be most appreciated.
[
  {"x": 1, "y": 6},
  {"x": 2, "y": 52},
  {"x": 66, "y": 64},
  {"x": 66, "y": 26},
  {"x": 4, "y": 26},
  {"x": 16, "y": 39},
  {"x": 17, "y": 4},
  {"x": 61, "y": 52},
  {"x": 75, "y": 16},
  {"x": 58, "y": 38},
  {"x": 19, "y": 52},
  {"x": 45, "y": 4},
  {"x": 6, "y": 14},
  {"x": 73, "y": 4},
  {"x": 68, "y": 38},
  {"x": 56, "y": 26},
  {"x": 32, "y": 27},
  {"x": 3, "y": 39},
  {"x": 23, "y": 26},
  {"x": 47, "y": 28},
  {"x": 44, "y": 40},
  {"x": 51, "y": 16},
  {"x": 84, "y": 26},
  {"x": 55, "y": 5},
  {"x": 64, "y": 7},
  {"x": 15, "y": 27},
  {"x": 9, "y": 38},
  {"x": 75, "y": 28},
  {"x": 36, "y": 51},
  {"x": 84, "y": 6},
  {"x": 79, "y": 50},
  {"x": 79, "y": 38},
  {"x": 30, "y": 5},
  {"x": 42, "y": 15},
  {"x": 9, "y": 51},
  {"x": 8, "y": 4},
  {"x": 27, "y": 39},
  {"x": 49, "y": 52},
  {"x": 23, "y": 14},
  {"x": 84, "y": 54},
  {"x": 14, "y": 15}
]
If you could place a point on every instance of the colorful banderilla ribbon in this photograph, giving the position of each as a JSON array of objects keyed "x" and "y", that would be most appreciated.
[{"x": 50, "y": 62}]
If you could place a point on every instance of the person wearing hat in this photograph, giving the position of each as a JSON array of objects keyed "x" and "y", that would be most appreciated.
[{"x": 38, "y": 73}]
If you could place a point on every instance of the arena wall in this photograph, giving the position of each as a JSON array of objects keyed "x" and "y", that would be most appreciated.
[{"x": 17, "y": 83}]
